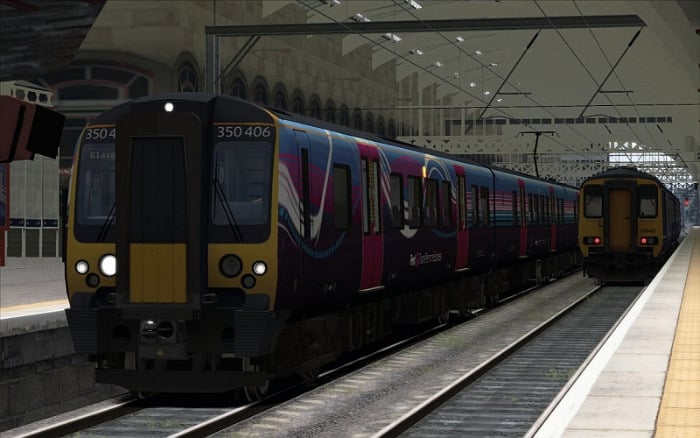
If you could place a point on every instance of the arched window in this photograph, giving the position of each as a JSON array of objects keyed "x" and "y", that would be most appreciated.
[
  {"x": 261, "y": 94},
  {"x": 315, "y": 106},
  {"x": 238, "y": 88},
  {"x": 380, "y": 126},
  {"x": 344, "y": 116},
  {"x": 329, "y": 111},
  {"x": 298, "y": 105},
  {"x": 369, "y": 122},
  {"x": 392, "y": 128},
  {"x": 357, "y": 119},
  {"x": 279, "y": 97},
  {"x": 187, "y": 78}
]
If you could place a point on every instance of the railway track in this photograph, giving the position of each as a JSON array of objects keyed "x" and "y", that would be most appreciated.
[
  {"x": 407, "y": 388},
  {"x": 177, "y": 417},
  {"x": 508, "y": 395}
]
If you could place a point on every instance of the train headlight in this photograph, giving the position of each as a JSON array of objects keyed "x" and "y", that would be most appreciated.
[
  {"x": 108, "y": 265},
  {"x": 169, "y": 107},
  {"x": 230, "y": 265},
  {"x": 259, "y": 268},
  {"x": 82, "y": 267}
]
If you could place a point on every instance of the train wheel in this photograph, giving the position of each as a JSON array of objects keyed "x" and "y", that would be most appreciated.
[
  {"x": 310, "y": 374},
  {"x": 254, "y": 393},
  {"x": 142, "y": 395}
]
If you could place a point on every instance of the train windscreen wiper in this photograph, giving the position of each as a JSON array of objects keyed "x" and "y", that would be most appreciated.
[
  {"x": 106, "y": 224},
  {"x": 230, "y": 218}
]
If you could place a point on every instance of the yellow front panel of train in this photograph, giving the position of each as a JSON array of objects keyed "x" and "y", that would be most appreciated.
[
  {"x": 158, "y": 273},
  {"x": 620, "y": 221}
]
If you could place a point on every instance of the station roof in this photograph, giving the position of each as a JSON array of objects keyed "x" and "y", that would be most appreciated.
[
  {"x": 606, "y": 69},
  {"x": 40, "y": 36},
  {"x": 623, "y": 69}
]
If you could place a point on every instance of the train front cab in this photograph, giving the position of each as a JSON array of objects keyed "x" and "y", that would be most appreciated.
[
  {"x": 185, "y": 309},
  {"x": 621, "y": 228}
]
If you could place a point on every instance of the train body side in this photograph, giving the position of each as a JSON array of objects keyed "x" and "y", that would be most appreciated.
[{"x": 249, "y": 243}]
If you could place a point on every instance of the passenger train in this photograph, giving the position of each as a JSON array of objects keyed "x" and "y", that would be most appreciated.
[
  {"x": 629, "y": 225},
  {"x": 214, "y": 244}
]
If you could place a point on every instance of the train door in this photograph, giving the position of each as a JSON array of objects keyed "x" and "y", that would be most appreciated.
[
  {"x": 462, "y": 235},
  {"x": 552, "y": 217},
  {"x": 305, "y": 264},
  {"x": 619, "y": 224},
  {"x": 372, "y": 237},
  {"x": 523, "y": 220},
  {"x": 160, "y": 245}
]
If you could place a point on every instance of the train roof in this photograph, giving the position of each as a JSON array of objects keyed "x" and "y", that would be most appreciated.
[
  {"x": 305, "y": 120},
  {"x": 246, "y": 110},
  {"x": 623, "y": 172}
]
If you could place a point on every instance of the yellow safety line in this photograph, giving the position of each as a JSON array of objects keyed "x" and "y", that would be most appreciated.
[
  {"x": 679, "y": 414},
  {"x": 33, "y": 305}
]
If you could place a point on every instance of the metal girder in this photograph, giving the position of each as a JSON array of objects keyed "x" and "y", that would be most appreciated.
[{"x": 481, "y": 24}]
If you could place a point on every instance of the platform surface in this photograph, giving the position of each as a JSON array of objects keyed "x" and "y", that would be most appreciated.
[{"x": 644, "y": 381}]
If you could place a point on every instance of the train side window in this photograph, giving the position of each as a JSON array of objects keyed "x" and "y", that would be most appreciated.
[
  {"x": 514, "y": 206},
  {"x": 523, "y": 218},
  {"x": 446, "y": 195},
  {"x": 396, "y": 182},
  {"x": 475, "y": 206},
  {"x": 593, "y": 201},
  {"x": 461, "y": 203},
  {"x": 551, "y": 210},
  {"x": 647, "y": 195},
  {"x": 365, "y": 198},
  {"x": 484, "y": 207},
  {"x": 543, "y": 209},
  {"x": 431, "y": 203},
  {"x": 341, "y": 196},
  {"x": 530, "y": 209},
  {"x": 414, "y": 201}
]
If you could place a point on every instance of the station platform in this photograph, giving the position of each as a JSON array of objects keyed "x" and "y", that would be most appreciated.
[
  {"x": 643, "y": 381},
  {"x": 30, "y": 286}
]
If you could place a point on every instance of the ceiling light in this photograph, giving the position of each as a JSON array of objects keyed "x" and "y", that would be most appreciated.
[
  {"x": 478, "y": 52},
  {"x": 419, "y": 52},
  {"x": 486, "y": 93},
  {"x": 493, "y": 64},
  {"x": 499, "y": 99},
  {"x": 392, "y": 37},
  {"x": 414, "y": 4},
  {"x": 438, "y": 64},
  {"x": 360, "y": 18},
  {"x": 460, "y": 39},
  {"x": 472, "y": 84}
]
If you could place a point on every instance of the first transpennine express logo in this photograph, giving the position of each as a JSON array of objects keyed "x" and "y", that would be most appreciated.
[{"x": 418, "y": 259}]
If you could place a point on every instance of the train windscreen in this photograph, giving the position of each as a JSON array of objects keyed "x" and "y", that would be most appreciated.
[
  {"x": 95, "y": 191},
  {"x": 241, "y": 191}
]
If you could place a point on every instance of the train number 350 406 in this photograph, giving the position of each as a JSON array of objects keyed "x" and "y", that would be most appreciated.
[{"x": 243, "y": 131}]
